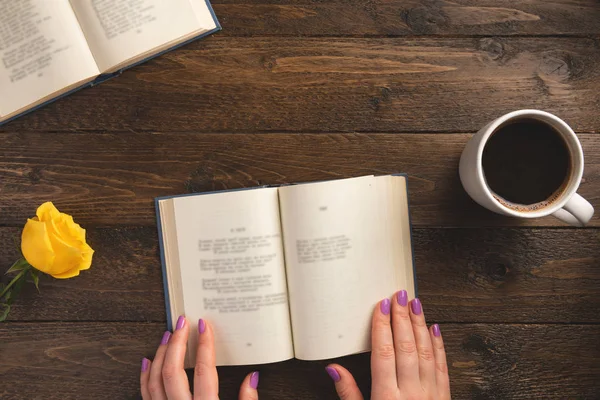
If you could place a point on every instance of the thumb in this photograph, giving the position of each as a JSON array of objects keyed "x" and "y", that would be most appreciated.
[
  {"x": 248, "y": 389},
  {"x": 345, "y": 385}
]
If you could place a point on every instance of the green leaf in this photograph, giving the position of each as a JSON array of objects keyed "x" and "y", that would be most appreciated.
[
  {"x": 36, "y": 279},
  {"x": 19, "y": 265},
  {"x": 4, "y": 310},
  {"x": 16, "y": 289}
]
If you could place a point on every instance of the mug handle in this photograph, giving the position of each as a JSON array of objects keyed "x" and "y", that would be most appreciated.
[{"x": 577, "y": 211}]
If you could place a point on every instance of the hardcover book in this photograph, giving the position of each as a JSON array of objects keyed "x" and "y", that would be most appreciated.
[
  {"x": 50, "y": 48},
  {"x": 286, "y": 272}
]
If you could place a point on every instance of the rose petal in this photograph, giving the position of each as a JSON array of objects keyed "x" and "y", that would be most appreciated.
[
  {"x": 36, "y": 246},
  {"x": 67, "y": 275},
  {"x": 66, "y": 256},
  {"x": 47, "y": 212}
]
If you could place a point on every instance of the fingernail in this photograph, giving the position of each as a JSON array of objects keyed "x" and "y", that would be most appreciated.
[
  {"x": 166, "y": 337},
  {"x": 385, "y": 306},
  {"x": 415, "y": 306},
  {"x": 180, "y": 323},
  {"x": 436, "y": 330},
  {"x": 253, "y": 379},
  {"x": 145, "y": 364},
  {"x": 333, "y": 374},
  {"x": 402, "y": 298},
  {"x": 201, "y": 326}
]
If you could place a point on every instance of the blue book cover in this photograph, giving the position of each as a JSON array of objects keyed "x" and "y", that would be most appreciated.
[
  {"x": 161, "y": 241},
  {"x": 104, "y": 77}
]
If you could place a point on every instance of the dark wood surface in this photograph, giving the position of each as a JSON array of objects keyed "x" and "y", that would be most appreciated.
[
  {"x": 112, "y": 178},
  {"x": 308, "y": 91}
]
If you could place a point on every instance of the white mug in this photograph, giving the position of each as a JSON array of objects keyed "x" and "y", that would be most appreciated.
[{"x": 568, "y": 206}]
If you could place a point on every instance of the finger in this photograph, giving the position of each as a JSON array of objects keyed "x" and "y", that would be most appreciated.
[
  {"x": 383, "y": 357},
  {"x": 441, "y": 367},
  {"x": 144, "y": 375},
  {"x": 248, "y": 389},
  {"x": 407, "y": 359},
  {"x": 424, "y": 346},
  {"x": 345, "y": 385},
  {"x": 173, "y": 372},
  {"x": 155, "y": 382},
  {"x": 206, "y": 380}
]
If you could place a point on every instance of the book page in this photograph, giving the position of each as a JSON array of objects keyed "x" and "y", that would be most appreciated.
[
  {"x": 233, "y": 274},
  {"x": 119, "y": 31},
  {"x": 344, "y": 252},
  {"x": 42, "y": 51}
]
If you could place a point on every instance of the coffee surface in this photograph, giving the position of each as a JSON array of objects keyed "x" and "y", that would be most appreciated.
[{"x": 526, "y": 162}]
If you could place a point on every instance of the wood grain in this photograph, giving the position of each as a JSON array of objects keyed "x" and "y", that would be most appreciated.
[
  {"x": 268, "y": 84},
  {"x": 112, "y": 179},
  {"x": 485, "y": 362},
  {"x": 473, "y": 275},
  {"x": 412, "y": 17}
]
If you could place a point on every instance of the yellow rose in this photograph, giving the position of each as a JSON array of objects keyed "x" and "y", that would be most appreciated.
[{"x": 53, "y": 243}]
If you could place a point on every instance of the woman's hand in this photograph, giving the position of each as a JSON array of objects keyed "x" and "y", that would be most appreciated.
[
  {"x": 408, "y": 360},
  {"x": 164, "y": 378}
]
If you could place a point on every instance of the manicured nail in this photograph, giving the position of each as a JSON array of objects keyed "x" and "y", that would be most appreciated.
[
  {"x": 333, "y": 374},
  {"x": 385, "y": 306},
  {"x": 436, "y": 330},
  {"x": 201, "y": 326},
  {"x": 166, "y": 337},
  {"x": 145, "y": 364},
  {"x": 253, "y": 379},
  {"x": 402, "y": 298},
  {"x": 180, "y": 323},
  {"x": 415, "y": 306}
]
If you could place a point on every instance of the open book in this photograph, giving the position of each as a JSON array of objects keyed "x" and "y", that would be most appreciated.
[
  {"x": 49, "y": 48},
  {"x": 284, "y": 272}
]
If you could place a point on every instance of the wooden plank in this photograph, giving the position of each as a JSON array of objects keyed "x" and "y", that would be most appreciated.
[
  {"x": 112, "y": 179},
  {"x": 329, "y": 84},
  {"x": 64, "y": 360},
  {"x": 412, "y": 17},
  {"x": 464, "y": 275}
]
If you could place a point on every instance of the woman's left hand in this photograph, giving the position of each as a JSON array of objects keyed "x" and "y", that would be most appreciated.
[{"x": 164, "y": 378}]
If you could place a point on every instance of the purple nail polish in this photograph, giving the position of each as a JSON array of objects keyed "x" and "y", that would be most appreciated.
[
  {"x": 333, "y": 374},
  {"x": 166, "y": 337},
  {"x": 180, "y": 323},
  {"x": 253, "y": 379},
  {"x": 385, "y": 306},
  {"x": 145, "y": 364},
  {"x": 415, "y": 306},
  {"x": 402, "y": 298},
  {"x": 201, "y": 326},
  {"x": 436, "y": 330}
]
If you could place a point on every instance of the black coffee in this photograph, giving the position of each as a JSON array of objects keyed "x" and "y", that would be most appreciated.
[{"x": 526, "y": 163}]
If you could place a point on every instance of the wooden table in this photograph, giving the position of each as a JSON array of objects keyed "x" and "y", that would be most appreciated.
[{"x": 299, "y": 92}]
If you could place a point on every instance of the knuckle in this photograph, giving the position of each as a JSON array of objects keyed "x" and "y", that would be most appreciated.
[
  {"x": 407, "y": 347},
  {"x": 426, "y": 353},
  {"x": 401, "y": 314},
  {"x": 386, "y": 351},
  {"x": 154, "y": 388},
  {"x": 420, "y": 322},
  {"x": 438, "y": 344},
  {"x": 345, "y": 392},
  {"x": 201, "y": 369},
  {"x": 442, "y": 367},
  {"x": 382, "y": 323},
  {"x": 168, "y": 373}
]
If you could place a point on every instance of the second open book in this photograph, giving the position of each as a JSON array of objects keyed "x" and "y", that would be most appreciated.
[{"x": 290, "y": 271}]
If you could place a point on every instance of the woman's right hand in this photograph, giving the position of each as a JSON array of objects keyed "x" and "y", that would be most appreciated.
[{"x": 408, "y": 361}]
